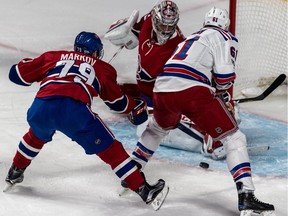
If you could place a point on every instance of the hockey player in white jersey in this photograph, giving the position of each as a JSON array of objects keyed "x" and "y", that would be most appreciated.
[{"x": 197, "y": 82}]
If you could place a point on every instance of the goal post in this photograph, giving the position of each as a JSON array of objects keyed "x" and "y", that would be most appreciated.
[{"x": 261, "y": 28}]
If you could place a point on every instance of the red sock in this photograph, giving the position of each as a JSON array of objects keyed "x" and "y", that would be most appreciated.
[
  {"x": 28, "y": 149},
  {"x": 122, "y": 165}
]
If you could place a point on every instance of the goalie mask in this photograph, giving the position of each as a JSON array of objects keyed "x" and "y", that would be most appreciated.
[
  {"x": 165, "y": 17},
  {"x": 89, "y": 43},
  {"x": 217, "y": 17}
]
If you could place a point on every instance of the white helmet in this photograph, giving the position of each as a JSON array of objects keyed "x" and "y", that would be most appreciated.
[
  {"x": 165, "y": 17},
  {"x": 217, "y": 17}
]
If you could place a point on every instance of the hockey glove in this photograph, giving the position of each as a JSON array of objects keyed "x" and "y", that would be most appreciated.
[
  {"x": 120, "y": 32},
  {"x": 139, "y": 114},
  {"x": 226, "y": 97},
  {"x": 231, "y": 106}
]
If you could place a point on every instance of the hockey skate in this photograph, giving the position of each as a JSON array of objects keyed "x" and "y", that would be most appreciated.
[
  {"x": 15, "y": 175},
  {"x": 249, "y": 205},
  {"x": 154, "y": 195}
]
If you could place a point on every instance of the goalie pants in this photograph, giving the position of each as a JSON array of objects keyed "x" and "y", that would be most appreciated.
[{"x": 76, "y": 120}]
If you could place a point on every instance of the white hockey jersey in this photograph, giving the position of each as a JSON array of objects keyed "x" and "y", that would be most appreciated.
[{"x": 205, "y": 55}]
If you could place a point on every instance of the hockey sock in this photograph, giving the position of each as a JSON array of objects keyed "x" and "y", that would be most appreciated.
[
  {"x": 123, "y": 166},
  {"x": 28, "y": 149},
  {"x": 238, "y": 160},
  {"x": 148, "y": 142}
]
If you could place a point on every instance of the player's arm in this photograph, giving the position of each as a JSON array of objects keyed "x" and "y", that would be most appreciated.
[
  {"x": 136, "y": 28},
  {"x": 224, "y": 74},
  {"x": 116, "y": 100},
  {"x": 27, "y": 71}
]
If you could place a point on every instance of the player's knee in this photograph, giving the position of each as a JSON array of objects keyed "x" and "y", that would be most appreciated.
[
  {"x": 32, "y": 140},
  {"x": 154, "y": 127}
]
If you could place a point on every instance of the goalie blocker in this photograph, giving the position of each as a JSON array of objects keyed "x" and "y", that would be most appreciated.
[{"x": 120, "y": 32}]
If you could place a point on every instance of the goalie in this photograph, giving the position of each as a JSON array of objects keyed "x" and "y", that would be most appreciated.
[{"x": 157, "y": 35}]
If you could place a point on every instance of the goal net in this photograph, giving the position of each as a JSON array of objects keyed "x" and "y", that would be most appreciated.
[{"x": 261, "y": 28}]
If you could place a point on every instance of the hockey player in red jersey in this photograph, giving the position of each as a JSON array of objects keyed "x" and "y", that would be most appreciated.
[
  {"x": 157, "y": 35},
  {"x": 69, "y": 80},
  {"x": 196, "y": 82}
]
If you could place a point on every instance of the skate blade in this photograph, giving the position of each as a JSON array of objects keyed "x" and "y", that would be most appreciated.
[
  {"x": 8, "y": 187},
  {"x": 255, "y": 213},
  {"x": 124, "y": 191},
  {"x": 160, "y": 199}
]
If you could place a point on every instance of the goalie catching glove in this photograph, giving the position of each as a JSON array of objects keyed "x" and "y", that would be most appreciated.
[
  {"x": 139, "y": 114},
  {"x": 120, "y": 32}
]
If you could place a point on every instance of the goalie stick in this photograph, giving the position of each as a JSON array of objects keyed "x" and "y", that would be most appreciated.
[
  {"x": 116, "y": 53},
  {"x": 252, "y": 150},
  {"x": 277, "y": 82}
]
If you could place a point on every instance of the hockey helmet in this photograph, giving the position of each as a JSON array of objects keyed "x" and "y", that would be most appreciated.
[
  {"x": 165, "y": 17},
  {"x": 88, "y": 43},
  {"x": 217, "y": 17}
]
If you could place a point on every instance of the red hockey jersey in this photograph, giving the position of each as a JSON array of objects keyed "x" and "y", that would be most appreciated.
[
  {"x": 75, "y": 75},
  {"x": 151, "y": 55}
]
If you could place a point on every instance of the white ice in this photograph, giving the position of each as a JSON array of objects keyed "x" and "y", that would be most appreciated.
[{"x": 64, "y": 181}]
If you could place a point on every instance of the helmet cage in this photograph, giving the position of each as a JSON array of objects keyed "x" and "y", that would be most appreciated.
[{"x": 165, "y": 17}]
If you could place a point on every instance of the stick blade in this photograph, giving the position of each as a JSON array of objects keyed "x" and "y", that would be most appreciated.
[{"x": 277, "y": 82}]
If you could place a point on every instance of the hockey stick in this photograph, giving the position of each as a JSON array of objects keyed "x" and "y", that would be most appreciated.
[
  {"x": 189, "y": 132},
  {"x": 277, "y": 82},
  {"x": 116, "y": 54},
  {"x": 252, "y": 150}
]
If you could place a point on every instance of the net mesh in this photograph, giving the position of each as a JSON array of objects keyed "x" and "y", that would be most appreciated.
[{"x": 261, "y": 27}]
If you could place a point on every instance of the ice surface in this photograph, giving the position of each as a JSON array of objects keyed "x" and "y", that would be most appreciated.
[{"x": 62, "y": 180}]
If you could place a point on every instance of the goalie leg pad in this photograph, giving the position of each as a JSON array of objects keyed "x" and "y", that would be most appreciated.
[{"x": 214, "y": 149}]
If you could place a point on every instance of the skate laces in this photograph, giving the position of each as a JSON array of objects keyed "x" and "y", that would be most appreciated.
[{"x": 256, "y": 199}]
